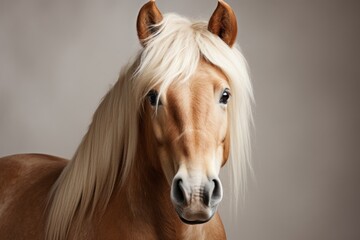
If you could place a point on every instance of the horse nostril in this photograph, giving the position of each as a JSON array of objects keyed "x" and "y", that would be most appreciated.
[
  {"x": 217, "y": 192},
  {"x": 178, "y": 191},
  {"x": 212, "y": 193}
]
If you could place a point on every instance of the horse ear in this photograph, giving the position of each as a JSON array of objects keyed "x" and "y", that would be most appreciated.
[
  {"x": 223, "y": 23},
  {"x": 148, "y": 16}
]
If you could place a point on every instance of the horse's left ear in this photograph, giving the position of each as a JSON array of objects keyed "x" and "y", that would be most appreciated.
[
  {"x": 149, "y": 15},
  {"x": 223, "y": 23}
]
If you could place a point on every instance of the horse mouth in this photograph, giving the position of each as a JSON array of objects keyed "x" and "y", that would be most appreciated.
[
  {"x": 195, "y": 222},
  {"x": 191, "y": 218}
]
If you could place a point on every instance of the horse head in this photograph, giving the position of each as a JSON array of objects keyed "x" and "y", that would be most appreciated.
[{"x": 187, "y": 121}]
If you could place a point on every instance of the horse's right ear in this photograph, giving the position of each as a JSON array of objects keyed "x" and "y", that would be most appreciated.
[{"x": 149, "y": 15}]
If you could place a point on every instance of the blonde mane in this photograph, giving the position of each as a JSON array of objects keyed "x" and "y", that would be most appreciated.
[{"x": 105, "y": 157}]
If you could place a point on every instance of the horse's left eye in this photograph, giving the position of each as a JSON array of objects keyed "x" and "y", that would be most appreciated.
[
  {"x": 153, "y": 98},
  {"x": 225, "y": 96}
]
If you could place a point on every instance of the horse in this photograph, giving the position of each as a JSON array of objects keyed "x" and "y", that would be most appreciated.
[{"x": 148, "y": 166}]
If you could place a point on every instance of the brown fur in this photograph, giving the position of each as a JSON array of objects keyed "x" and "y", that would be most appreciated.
[{"x": 25, "y": 181}]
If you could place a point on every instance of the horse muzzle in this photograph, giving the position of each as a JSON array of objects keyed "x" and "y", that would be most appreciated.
[{"x": 195, "y": 201}]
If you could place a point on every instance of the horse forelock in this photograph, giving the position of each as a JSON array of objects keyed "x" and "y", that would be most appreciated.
[{"x": 106, "y": 154}]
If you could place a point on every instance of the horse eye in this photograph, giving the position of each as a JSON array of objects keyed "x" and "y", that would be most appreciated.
[
  {"x": 153, "y": 98},
  {"x": 225, "y": 96}
]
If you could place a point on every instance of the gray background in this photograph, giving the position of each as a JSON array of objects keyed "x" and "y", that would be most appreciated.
[{"x": 58, "y": 58}]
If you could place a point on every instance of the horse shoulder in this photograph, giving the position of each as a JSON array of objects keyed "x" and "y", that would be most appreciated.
[{"x": 25, "y": 182}]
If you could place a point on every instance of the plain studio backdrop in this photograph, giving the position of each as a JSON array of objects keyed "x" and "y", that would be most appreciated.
[{"x": 58, "y": 58}]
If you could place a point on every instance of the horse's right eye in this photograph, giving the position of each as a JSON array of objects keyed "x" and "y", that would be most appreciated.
[{"x": 153, "y": 98}]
